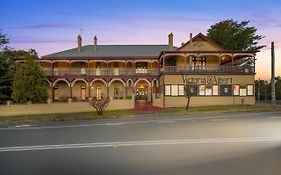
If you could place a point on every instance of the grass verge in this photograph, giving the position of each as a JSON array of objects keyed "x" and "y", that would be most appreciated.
[{"x": 39, "y": 118}]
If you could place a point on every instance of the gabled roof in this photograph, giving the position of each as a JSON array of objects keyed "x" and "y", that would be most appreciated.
[
  {"x": 112, "y": 51},
  {"x": 201, "y": 37}
]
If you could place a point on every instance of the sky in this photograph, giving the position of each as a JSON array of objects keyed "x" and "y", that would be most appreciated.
[{"x": 50, "y": 26}]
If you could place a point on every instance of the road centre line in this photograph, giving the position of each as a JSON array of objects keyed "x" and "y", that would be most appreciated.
[
  {"x": 139, "y": 143},
  {"x": 274, "y": 117},
  {"x": 128, "y": 122},
  {"x": 219, "y": 120}
]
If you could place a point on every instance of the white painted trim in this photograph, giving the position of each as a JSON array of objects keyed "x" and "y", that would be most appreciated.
[
  {"x": 57, "y": 61},
  {"x": 61, "y": 79},
  {"x": 128, "y": 82},
  {"x": 104, "y": 61},
  {"x": 117, "y": 61},
  {"x": 116, "y": 79},
  {"x": 157, "y": 83},
  {"x": 98, "y": 79},
  {"x": 135, "y": 84},
  {"x": 243, "y": 54},
  {"x": 79, "y": 79},
  {"x": 49, "y": 83},
  {"x": 77, "y": 61},
  {"x": 148, "y": 61}
]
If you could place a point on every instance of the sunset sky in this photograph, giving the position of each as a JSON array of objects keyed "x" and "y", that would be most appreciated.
[{"x": 52, "y": 26}]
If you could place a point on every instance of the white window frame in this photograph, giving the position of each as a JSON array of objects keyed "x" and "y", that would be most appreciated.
[
  {"x": 174, "y": 90},
  {"x": 208, "y": 90},
  {"x": 236, "y": 90},
  {"x": 203, "y": 90},
  {"x": 250, "y": 88},
  {"x": 215, "y": 91},
  {"x": 167, "y": 90},
  {"x": 181, "y": 90},
  {"x": 243, "y": 92}
]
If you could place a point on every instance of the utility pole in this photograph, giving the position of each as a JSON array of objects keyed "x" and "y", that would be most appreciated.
[
  {"x": 259, "y": 91},
  {"x": 273, "y": 97}
]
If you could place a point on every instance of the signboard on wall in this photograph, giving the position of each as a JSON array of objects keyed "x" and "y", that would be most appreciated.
[{"x": 212, "y": 79}]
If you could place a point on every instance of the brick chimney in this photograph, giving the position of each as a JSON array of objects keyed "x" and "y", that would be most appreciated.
[
  {"x": 190, "y": 37},
  {"x": 95, "y": 43},
  {"x": 79, "y": 40},
  {"x": 171, "y": 41}
]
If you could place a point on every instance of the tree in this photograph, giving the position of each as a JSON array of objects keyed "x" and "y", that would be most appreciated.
[
  {"x": 5, "y": 70},
  {"x": 100, "y": 105},
  {"x": 232, "y": 35},
  {"x": 30, "y": 83},
  {"x": 3, "y": 41},
  {"x": 186, "y": 92},
  {"x": 278, "y": 88},
  {"x": 5, "y": 79}
]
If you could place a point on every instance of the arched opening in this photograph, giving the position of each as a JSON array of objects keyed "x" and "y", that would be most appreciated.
[
  {"x": 98, "y": 89},
  {"x": 79, "y": 68},
  {"x": 130, "y": 89},
  {"x": 98, "y": 68},
  {"x": 80, "y": 90},
  {"x": 116, "y": 68},
  {"x": 130, "y": 68},
  {"x": 61, "y": 90},
  {"x": 117, "y": 89},
  {"x": 61, "y": 68},
  {"x": 46, "y": 67},
  {"x": 143, "y": 91}
]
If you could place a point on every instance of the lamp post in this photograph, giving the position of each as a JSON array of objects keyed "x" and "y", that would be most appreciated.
[{"x": 273, "y": 95}]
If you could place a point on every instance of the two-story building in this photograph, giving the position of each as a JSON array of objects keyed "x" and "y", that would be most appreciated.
[{"x": 155, "y": 74}]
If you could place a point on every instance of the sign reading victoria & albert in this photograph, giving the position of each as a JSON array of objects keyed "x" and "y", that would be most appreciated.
[{"x": 211, "y": 79}]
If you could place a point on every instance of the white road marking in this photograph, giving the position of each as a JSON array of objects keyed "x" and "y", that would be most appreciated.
[
  {"x": 132, "y": 122},
  {"x": 219, "y": 120},
  {"x": 274, "y": 117},
  {"x": 165, "y": 121},
  {"x": 114, "y": 124},
  {"x": 139, "y": 143},
  {"x": 22, "y": 126}
]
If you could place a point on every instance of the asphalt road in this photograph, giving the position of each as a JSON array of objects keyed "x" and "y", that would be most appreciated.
[{"x": 225, "y": 143}]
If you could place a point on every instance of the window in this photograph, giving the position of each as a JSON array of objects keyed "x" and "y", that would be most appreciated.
[
  {"x": 243, "y": 91},
  {"x": 83, "y": 92},
  {"x": 98, "y": 91},
  {"x": 56, "y": 93},
  {"x": 116, "y": 93},
  {"x": 192, "y": 90},
  {"x": 168, "y": 90},
  {"x": 202, "y": 61},
  {"x": 194, "y": 61},
  {"x": 208, "y": 90},
  {"x": 236, "y": 89},
  {"x": 250, "y": 89},
  {"x": 202, "y": 90},
  {"x": 181, "y": 90},
  {"x": 83, "y": 71},
  {"x": 175, "y": 90},
  {"x": 215, "y": 89},
  {"x": 226, "y": 90}
]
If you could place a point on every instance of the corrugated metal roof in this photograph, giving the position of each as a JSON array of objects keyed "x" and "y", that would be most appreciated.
[{"x": 113, "y": 51}]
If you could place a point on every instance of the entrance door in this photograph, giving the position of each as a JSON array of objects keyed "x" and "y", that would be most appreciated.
[
  {"x": 141, "y": 94},
  {"x": 83, "y": 92}
]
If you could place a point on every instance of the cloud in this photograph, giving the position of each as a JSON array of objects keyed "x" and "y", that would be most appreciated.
[
  {"x": 36, "y": 41},
  {"x": 48, "y": 26}
]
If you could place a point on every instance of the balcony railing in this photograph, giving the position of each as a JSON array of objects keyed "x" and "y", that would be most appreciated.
[
  {"x": 101, "y": 72},
  {"x": 209, "y": 69}
]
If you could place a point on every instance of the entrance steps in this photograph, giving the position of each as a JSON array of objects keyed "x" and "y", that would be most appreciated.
[{"x": 145, "y": 105}]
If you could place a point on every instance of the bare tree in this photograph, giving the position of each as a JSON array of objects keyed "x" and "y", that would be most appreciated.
[
  {"x": 100, "y": 104},
  {"x": 186, "y": 92}
]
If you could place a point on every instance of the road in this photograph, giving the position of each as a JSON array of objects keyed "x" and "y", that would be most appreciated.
[{"x": 213, "y": 144}]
